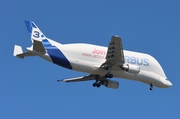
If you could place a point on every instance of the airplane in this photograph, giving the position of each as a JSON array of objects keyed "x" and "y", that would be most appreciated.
[{"x": 101, "y": 63}]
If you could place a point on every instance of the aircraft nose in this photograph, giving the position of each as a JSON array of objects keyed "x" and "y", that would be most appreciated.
[{"x": 169, "y": 84}]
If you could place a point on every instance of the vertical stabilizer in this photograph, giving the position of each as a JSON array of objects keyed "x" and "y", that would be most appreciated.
[
  {"x": 34, "y": 31},
  {"x": 36, "y": 36}
]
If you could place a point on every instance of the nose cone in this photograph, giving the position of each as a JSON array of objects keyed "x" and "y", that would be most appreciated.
[{"x": 168, "y": 83}]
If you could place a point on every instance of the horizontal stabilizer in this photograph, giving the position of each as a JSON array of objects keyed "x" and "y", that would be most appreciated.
[{"x": 18, "y": 52}]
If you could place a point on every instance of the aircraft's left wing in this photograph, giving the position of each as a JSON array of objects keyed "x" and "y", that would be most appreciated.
[
  {"x": 115, "y": 53},
  {"x": 78, "y": 79}
]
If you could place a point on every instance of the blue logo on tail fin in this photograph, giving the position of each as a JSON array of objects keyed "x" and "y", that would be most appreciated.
[{"x": 30, "y": 25}]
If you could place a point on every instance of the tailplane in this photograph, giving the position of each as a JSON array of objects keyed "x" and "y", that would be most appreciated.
[{"x": 18, "y": 52}]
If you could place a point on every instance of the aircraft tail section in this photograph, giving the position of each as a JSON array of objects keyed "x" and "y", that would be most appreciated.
[
  {"x": 37, "y": 36},
  {"x": 34, "y": 31},
  {"x": 41, "y": 45}
]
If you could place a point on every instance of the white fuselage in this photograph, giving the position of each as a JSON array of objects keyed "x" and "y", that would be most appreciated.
[
  {"x": 88, "y": 58},
  {"x": 100, "y": 62}
]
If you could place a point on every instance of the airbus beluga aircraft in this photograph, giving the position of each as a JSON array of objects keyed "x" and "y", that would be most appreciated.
[{"x": 102, "y": 63}]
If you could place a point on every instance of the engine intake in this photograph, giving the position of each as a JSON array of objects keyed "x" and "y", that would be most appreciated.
[
  {"x": 131, "y": 68},
  {"x": 110, "y": 83}
]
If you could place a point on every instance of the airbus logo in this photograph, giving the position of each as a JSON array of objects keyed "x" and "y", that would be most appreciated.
[{"x": 135, "y": 60}]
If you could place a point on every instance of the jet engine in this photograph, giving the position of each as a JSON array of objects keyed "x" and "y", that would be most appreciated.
[
  {"x": 110, "y": 83},
  {"x": 131, "y": 68}
]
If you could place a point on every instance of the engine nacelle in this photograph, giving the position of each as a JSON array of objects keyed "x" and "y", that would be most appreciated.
[
  {"x": 110, "y": 83},
  {"x": 131, "y": 68}
]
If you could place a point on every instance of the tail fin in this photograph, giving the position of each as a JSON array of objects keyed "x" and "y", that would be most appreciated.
[
  {"x": 36, "y": 36},
  {"x": 34, "y": 31}
]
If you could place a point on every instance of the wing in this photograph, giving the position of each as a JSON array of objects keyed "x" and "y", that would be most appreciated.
[
  {"x": 78, "y": 79},
  {"x": 114, "y": 56},
  {"x": 115, "y": 53}
]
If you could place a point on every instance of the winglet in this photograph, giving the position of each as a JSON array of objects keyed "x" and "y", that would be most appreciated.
[{"x": 18, "y": 51}]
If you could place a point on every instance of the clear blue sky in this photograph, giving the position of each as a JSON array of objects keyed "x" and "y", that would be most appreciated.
[{"x": 28, "y": 87}]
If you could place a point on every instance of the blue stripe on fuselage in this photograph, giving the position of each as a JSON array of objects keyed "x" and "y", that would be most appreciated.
[{"x": 56, "y": 55}]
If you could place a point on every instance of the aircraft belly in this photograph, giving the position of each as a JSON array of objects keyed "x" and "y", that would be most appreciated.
[
  {"x": 143, "y": 76},
  {"x": 84, "y": 66},
  {"x": 44, "y": 56},
  {"x": 147, "y": 77}
]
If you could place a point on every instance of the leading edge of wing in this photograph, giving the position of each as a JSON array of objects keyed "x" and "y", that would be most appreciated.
[{"x": 78, "y": 79}]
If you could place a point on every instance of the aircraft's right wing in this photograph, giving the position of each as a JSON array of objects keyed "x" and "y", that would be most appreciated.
[{"x": 78, "y": 79}]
